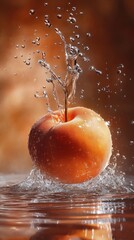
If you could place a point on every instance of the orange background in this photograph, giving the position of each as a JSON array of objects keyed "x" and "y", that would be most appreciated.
[{"x": 111, "y": 44}]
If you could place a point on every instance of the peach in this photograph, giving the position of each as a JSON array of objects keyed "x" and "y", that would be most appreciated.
[{"x": 73, "y": 151}]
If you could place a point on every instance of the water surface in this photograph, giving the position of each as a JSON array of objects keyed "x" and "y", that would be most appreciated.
[{"x": 32, "y": 207}]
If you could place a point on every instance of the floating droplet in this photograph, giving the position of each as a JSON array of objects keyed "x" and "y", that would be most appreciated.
[
  {"x": 121, "y": 66},
  {"x": 81, "y": 13},
  {"x": 131, "y": 142},
  {"x": 107, "y": 123},
  {"x": 58, "y": 8},
  {"x": 82, "y": 93},
  {"x": 32, "y": 11},
  {"x": 72, "y": 39},
  {"x": 43, "y": 55},
  {"x": 37, "y": 38},
  {"x": 33, "y": 42},
  {"x": 71, "y": 14},
  {"x": 86, "y": 48},
  {"x": 15, "y": 57},
  {"x": 28, "y": 63},
  {"x": 17, "y": 46},
  {"x": 81, "y": 54},
  {"x": 98, "y": 72},
  {"x": 46, "y": 16},
  {"x": 73, "y": 9},
  {"x": 88, "y": 34},
  {"x": 119, "y": 71},
  {"x": 77, "y": 36},
  {"x": 86, "y": 59},
  {"x": 45, "y": 4},
  {"x": 47, "y": 23},
  {"x": 23, "y": 46},
  {"x": 71, "y": 20},
  {"x": 59, "y": 16},
  {"x": 92, "y": 68}
]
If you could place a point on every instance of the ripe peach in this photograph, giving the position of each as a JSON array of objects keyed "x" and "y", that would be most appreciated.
[{"x": 73, "y": 151}]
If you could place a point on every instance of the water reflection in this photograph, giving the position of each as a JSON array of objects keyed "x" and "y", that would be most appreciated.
[
  {"x": 72, "y": 232},
  {"x": 66, "y": 215}
]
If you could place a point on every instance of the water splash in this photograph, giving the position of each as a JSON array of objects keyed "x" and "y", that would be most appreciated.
[
  {"x": 68, "y": 84},
  {"x": 108, "y": 182}
]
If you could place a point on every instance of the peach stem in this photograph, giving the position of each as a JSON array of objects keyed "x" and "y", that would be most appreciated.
[{"x": 66, "y": 106}]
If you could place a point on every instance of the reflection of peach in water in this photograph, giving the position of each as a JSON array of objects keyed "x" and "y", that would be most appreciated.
[{"x": 71, "y": 232}]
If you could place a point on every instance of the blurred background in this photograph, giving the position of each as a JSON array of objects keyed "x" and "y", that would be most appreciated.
[{"x": 103, "y": 31}]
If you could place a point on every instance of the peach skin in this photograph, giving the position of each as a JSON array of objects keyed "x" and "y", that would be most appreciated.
[{"x": 73, "y": 151}]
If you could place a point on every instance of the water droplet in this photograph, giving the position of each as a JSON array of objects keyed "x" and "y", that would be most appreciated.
[
  {"x": 92, "y": 68},
  {"x": 33, "y": 42},
  {"x": 81, "y": 13},
  {"x": 32, "y": 11},
  {"x": 88, "y": 34},
  {"x": 132, "y": 122},
  {"x": 28, "y": 63},
  {"x": 71, "y": 20},
  {"x": 119, "y": 71},
  {"x": 77, "y": 36},
  {"x": 86, "y": 48},
  {"x": 23, "y": 46},
  {"x": 59, "y": 16},
  {"x": 80, "y": 54},
  {"x": 15, "y": 57},
  {"x": 58, "y": 8},
  {"x": 107, "y": 123},
  {"x": 98, "y": 72},
  {"x": 43, "y": 55},
  {"x": 47, "y": 23},
  {"x": 86, "y": 59},
  {"x": 71, "y": 14},
  {"x": 46, "y": 16},
  {"x": 73, "y": 9},
  {"x": 131, "y": 142},
  {"x": 72, "y": 39},
  {"x": 82, "y": 93},
  {"x": 121, "y": 65},
  {"x": 45, "y": 4},
  {"x": 37, "y": 38}
]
